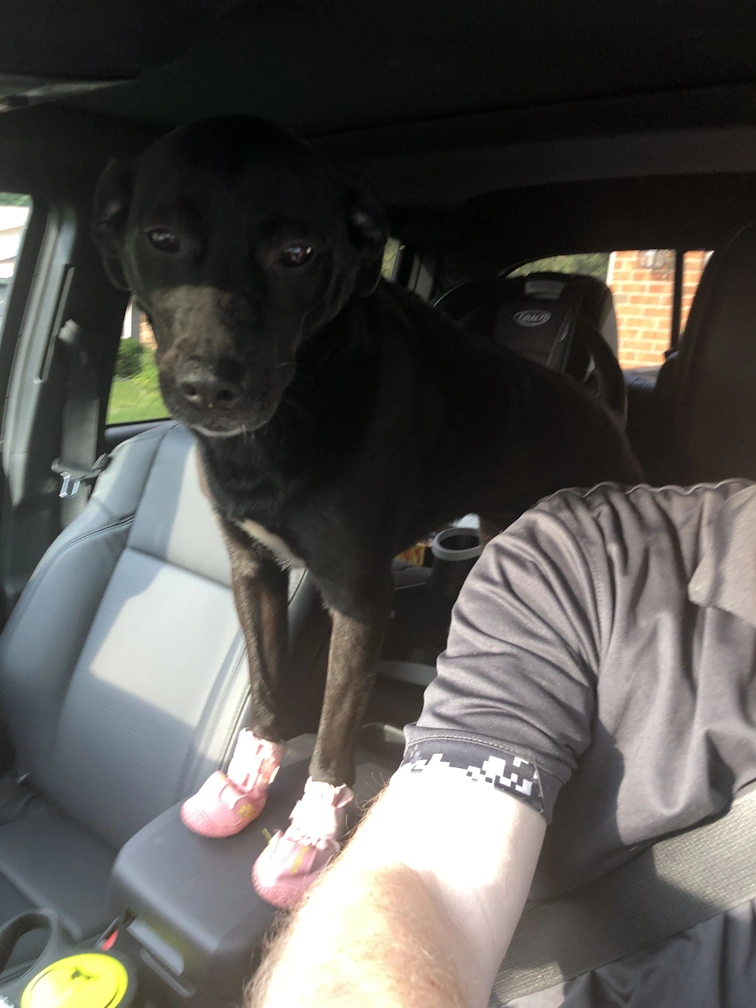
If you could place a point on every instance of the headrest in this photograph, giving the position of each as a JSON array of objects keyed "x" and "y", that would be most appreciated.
[
  {"x": 562, "y": 321},
  {"x": 532, "y": 311},
  {"x": 714, "y": 382}
]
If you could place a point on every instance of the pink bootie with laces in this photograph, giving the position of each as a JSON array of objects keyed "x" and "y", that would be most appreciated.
[
  {"x": 293, "y": 860},
  {"x": 226, "y": 803}
]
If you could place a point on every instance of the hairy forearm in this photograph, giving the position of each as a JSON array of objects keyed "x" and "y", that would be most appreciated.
[
  {"x": 365, "y": 938},
  {"x": 418, "y": 910}
]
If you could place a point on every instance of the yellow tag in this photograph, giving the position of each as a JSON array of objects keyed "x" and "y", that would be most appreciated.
[
  {"x": 295, "y": 864},
  {"x": 85, "y": 980},
  {"x": 414, "y": 555}
]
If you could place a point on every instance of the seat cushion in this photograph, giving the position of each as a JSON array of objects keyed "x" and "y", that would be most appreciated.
[{"x": 46, "y": 860}]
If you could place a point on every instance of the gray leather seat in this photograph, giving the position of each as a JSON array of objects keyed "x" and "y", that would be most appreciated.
[{"x": 123, "y": 677}]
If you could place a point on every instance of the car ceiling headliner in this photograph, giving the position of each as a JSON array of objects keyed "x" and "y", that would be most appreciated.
[
  {"x": 436, "y": 103},
  {"x": 330, "y": 67}
]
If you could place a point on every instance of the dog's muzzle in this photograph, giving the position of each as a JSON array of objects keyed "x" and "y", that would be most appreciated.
[
  {"x": 208, "y": 387},
  {"x": 217, "y": 398}
]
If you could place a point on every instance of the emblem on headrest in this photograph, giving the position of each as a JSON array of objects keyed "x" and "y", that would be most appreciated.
[{"x": 531, "y": 317}]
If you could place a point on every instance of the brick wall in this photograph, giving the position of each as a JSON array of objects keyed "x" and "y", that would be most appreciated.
[
  {"x": 643, "y": 302},
  {"x": 694, "y": 264}
]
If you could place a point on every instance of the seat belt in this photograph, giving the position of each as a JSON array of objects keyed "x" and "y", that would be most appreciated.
[
  {"x": 77, "y": 465},
  {"x": 669, "y": 887}
]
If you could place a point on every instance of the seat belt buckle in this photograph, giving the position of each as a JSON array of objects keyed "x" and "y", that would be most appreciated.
[{"x": 72, "y": 477}]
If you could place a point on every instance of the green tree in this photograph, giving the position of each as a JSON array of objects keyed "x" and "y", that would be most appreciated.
[
  {"x": 595, "y": 264},
  {"x": 14, "y": 199}
]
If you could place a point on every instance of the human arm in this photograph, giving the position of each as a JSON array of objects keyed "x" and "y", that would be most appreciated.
[
  {"x": 429, "y": 891},
  {"x": 419, "y": 909}
]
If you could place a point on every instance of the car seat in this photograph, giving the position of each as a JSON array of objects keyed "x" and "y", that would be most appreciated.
[
  {"x": 123, "y": 678},
  {"x": 559, "y": 320}
]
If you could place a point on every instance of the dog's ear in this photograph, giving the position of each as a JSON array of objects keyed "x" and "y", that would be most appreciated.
[
  {"x": 111, "y": 210},
  {"x": 368, "y": 231}
]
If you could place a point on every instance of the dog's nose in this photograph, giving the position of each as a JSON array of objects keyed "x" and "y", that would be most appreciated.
[{"x": 211, "y": 387}]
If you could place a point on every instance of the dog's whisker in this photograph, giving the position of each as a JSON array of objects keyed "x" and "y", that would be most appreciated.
[
  {"x": 290, "y": 401},
  {"x": 326, "y": 359},
  {"x": 313, "y": 387},
  {"x": 291, "y": 397}
]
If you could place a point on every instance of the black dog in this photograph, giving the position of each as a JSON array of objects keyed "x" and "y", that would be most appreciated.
[{"x": 339, "y": 418}]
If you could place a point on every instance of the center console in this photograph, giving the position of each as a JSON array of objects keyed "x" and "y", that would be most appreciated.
[{"x": 192, "y": 921}]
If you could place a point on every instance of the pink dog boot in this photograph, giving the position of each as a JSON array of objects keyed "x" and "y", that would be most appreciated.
[
  {"x": 293, "y": 860},
  {"x": 226, "y": 803}
]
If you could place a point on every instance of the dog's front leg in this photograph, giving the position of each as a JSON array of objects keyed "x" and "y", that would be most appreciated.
[
  {"x": 260, "y": 586},
  {"x": 294, "y": 859},
  {"x": 226, "y": 803},
  {"x": 356, "y": 640}
]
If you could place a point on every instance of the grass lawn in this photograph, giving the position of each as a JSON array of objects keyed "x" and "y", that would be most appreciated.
[{"x": 132, "y": 400}]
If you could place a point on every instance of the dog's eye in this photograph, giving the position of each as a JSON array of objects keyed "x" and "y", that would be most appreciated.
[
  {"x": 296, "y": 255},
  {"x": 163, "y": 239}
]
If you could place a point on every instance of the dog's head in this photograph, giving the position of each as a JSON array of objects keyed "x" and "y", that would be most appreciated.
[{"x": 239, "y": 243}]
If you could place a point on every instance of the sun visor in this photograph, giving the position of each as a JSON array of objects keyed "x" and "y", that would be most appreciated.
[{"x": 49, "y": 47}]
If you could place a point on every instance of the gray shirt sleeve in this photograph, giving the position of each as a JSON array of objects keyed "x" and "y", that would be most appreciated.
[{"x": 514, "y": 698}]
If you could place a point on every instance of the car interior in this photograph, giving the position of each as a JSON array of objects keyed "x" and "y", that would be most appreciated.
[{"x": 527, "y": 154}]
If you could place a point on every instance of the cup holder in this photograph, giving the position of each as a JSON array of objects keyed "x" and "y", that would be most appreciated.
[
  {"x": 454, "y": 551},
  {"x": 63, "y": 973}
]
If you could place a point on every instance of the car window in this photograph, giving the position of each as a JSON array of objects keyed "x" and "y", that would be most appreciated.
[
  {"x": 642, "y": 282},
  {"x": 135, "y": 394},
  {"x": 14, "y": 213},
  {"x": 390, "y": 258},
  {"x": 693, "y": 267},
  {"x": 594, "y": 264}
]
